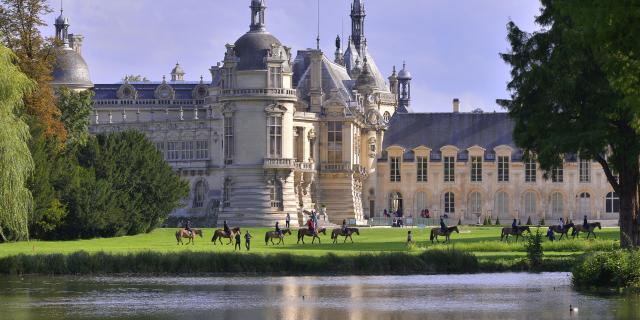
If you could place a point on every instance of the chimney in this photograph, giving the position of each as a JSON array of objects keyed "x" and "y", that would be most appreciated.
[
  {"x": 456, "y": 105},
  {"x": 75, "y": 42},
  {"x": 315, "y": 88}
]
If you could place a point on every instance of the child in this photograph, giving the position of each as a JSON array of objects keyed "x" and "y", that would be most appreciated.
[
  {"x": 409, "y": 237},
  {"x": 247, "y": 240},
  {"x": 237, "y": 242},
  {"x": 550, "y": 235}
]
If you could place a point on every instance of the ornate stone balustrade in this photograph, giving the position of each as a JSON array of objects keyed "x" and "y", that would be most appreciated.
[
  {"x": 305, "y": 166},
  {"x": 148, "y": 102},
  {"x": 258, "y": 92},
  {"x": 279, "y": 163},
  {"x": 336, "y": 167}
]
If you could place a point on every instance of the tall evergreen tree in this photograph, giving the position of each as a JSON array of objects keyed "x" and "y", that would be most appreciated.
[
  {"x": 75, "y": 108},
  {"x": 576, "y": 89},
  {"x": 16, "y": 164}
]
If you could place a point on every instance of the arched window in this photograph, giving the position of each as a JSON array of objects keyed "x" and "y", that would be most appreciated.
[
  {"x": 557, "y": 205},
  {"x": 198, "y": 194},
  {"x": 386, "y": 117},
  {"x": 501, "y": 204},
  {"x": 276, "y": 195},
  {"x": 395, "y": 202},
  {"x": 449, "y": 203},
  {"x": 584, "y": 204},
  {"x": 226, "y": 194},
  {"x": 421, "y": 202},
  {"x": 475, "y": 203},
  {"x": 529, "y": 204},
  {"x": 612, "y": 203}
]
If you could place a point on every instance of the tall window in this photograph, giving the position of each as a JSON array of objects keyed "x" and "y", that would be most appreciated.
[
  {"x": 501, "y": 204},
  {"x": 276, "y": 77},
  {"x": 275, "y": 136},
  {"x": 503, "y": 169},
  {"x": 198, "y": 195},
  {"x": 395, "y": 169},
  {"x": 584, "y": 204},
  {"x": 475, "y": 203},
  {"x": 557, "y": 174},
  {"x": 226, "y": 194},
  {"x": 557, "y": 205},
  {"x": 449, "y": 203},
  {"x": 422, "y": 166},
  {"x": 160, "y": 147},
  {"x": 228, "y": 140},
  {"x": 612, "y": 203},
  {"x": 449, "y": 169},
  {"x": 395, "y": 202},
  {"x": 421, "y": 202},
  {"x": 187, "y": 150},
  {"x": 202, "y": 150},
  {"x": 585, "y": 171},
  {"x": 334, "y": 150},
  {"x": 476, "y": 169},
  {"x": 530, "y": 170},
  {"x": 530, "y": 204},
  {"x": 173, "y": 150},
  {"x": 276, "y": 195}
]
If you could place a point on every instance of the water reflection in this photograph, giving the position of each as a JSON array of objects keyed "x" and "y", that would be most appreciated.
[{"x": 484, "y": 296}]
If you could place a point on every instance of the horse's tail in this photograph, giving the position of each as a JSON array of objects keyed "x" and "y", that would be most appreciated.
[
  {"x": 431, "y": 236},
  {"x": 266, "y": 237},
  {"x": 215, "y": 236}
]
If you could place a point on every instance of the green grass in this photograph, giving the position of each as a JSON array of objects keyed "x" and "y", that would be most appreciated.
[{"x": 481, "y": 241}]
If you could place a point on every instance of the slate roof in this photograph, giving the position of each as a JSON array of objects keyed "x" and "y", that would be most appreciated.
[
  {"x": 334, "y": 77},
  {"x": 463, "y": 130},
  {"x": 252, "y": 48},
  {"x": 70, "y": 69},
  {"x": 352, "y": 55},
  {"x": 146, "y": 90}
]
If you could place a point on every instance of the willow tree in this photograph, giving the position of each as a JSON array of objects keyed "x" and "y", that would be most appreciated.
[
  {"x": 576, "y": 89},
  {"x": 16, "y": 164}
]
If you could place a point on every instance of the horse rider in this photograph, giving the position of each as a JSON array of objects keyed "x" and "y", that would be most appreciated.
[
  {"x": 226, "y": 228},
  {"x": 514, "y": 226},
  {"x": 345, "y": 229},
  {"x": 278, "y": 231},
  {"x": 187, "y": 226},
  {"x": 443, "y": 227},
  {"x": 561, "y": 224},
  {"x": 311, "y": 226},
  {"x": 585, "y": 223}
]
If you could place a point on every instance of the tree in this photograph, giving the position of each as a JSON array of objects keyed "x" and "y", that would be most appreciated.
[
  {"x": 20, "y": 21},
  {"x": 75, "y": 108},
  {"x": 575, "y": 89},
  {"x": 16, "y": 163}
]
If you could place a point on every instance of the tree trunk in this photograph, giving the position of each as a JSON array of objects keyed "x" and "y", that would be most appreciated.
[{"x": 629, "y": 210}]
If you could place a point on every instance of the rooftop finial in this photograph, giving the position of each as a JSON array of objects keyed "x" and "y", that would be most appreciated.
[
  {"x": 257, "y": 15},
  {"x": 318, "y": 38}
]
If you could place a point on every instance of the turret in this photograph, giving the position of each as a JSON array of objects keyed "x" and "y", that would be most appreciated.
[
  {"x": 339, "y": 56},
  {"x": 177, "y": 74},
  {"x": 357, "y": 24},
  {"x": 393, "y": 82},
  {"x": 404, "y": 90},
  {"x": 257, "y": 15}
]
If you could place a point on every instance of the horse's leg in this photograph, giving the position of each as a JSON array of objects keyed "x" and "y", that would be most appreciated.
[{"x": 351, "y": 238}]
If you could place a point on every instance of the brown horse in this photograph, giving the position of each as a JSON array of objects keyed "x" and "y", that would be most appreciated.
[
  {"x": 435, "y": 232},
  {"x": 562, "y": 231},
  {"x": 507, "y": 231},
  {"x": 591, "y": 227},
  {"x": 270, "y": 235},
  {"x": 183, "y": 233},
  {"x": 337, "y": 232},
  {"x": 306, "y": 232},
  {"x": 219, "y": 234}
]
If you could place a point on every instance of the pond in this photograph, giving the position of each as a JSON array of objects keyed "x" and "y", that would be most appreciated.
[{"x": 479, "y": 296}]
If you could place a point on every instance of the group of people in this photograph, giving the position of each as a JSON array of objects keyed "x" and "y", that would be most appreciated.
[{"x": 561, "y": 223}]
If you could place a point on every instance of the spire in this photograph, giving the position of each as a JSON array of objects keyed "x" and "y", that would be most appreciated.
[
  {"x": 62, "y": 27},
  {"x": 357, "y": 24},
  {"x": 257, "y": 15},
  {"x": 404, "y": 90},
  {"x": 339, "y": 58}
]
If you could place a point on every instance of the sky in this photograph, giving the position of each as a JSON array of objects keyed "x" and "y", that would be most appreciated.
[{"x": 450, "y": 47}]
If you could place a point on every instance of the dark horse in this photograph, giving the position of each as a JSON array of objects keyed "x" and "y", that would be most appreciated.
[
  {"x": 435, "y": 232},
  {"x": 306, "y": 232},
  {"x": 507, "y": 231},
  {"x": 219, "y": 234},
  {"x": 183, "y": 233},
  {"x": 270, "y": 235},
  {"x": 562, "y": 231},
  {"x": 591, "y": 227},
  {"x": 337, "y": 232}
]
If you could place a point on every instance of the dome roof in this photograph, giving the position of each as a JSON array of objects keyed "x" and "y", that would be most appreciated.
[
  {"x": 252, "y": 48},
  {"x": 70, "y": 70},
  {"x": 177, "y": 69},
  {"x": 404, "y": 74}
]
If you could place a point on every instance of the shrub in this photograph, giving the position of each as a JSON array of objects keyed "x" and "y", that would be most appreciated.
[
  {"x": 542, "y": 222},
  {"x": 529, "y": 221},
  {"x": 616, "y": 269},
  {"x": 485, "y": 221},
  {"x": 497, "y": 221},
  {"x": 460, "y": 221},
  {"x": 533, "y": 246}
]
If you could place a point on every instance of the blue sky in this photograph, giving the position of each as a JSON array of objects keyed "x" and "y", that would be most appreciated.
[{"x": 451, "y": 47}]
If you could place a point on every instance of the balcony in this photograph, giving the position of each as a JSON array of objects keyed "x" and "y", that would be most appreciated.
[
  {"x": 344, "y": 167},
  {"x": 263, "y": 92},
  {"x": 279, "y": 163},
  {"x": 305, "y": 166}
]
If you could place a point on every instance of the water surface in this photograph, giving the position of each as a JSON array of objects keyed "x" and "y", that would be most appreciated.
[{"x": 480, "y": 296}]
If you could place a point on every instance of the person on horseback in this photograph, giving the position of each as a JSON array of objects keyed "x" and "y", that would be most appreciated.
[
  {"x": 561, "y": 224},
  {"x": 226, "y": 229},
  {"x": 443, "y": 227},
  {"x": 187, "y": 226},
  {"x": 278, "y": 231},
  {"x": 514, "y": 226},
  {"x": 311, "y": 226},
  {"x": 585, "y": 223},
  {"x": 344, "y": 226}
]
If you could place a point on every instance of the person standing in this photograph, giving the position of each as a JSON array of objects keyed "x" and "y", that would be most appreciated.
[
  {"x": 409, "y": 237},
  {"x": 247, "y": 240},
  {"x": 237, "y": 246},
  {"x": 288, "y": 220}
]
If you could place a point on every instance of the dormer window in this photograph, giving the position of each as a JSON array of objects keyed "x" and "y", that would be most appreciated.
[{"x": 275, "y": 77}]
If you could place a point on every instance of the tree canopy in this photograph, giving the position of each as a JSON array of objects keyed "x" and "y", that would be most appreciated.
[{"x": 575, "y": 89}]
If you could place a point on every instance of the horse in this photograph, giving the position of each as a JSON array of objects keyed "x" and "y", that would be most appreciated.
[
  {"x": 589, "y": 230},
  {"x": 183, "y": 233},
  {"x": 563, "y": 232},
  {"x": 306, "y": 232},
  {"x": 507, "y": 231},
  {"x": 219, "y": 234},
  {"x": 270, "y": 235},
  {"x": 435, "y": 232},
  {"x": 338, "y": 232}
]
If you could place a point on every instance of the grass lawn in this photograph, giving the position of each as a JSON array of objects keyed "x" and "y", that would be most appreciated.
[{"x": 484, "y": 242}]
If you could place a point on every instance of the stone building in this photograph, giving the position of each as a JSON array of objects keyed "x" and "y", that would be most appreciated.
[{"x": 271, "y": 134}]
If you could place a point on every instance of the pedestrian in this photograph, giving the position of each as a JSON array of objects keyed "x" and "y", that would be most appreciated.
[
  {"x": 409, "y": 237},
  {"x": 550, "y": 235},
  {"x": 237, "y": 246},
  {"x": 288, "y": 220},
  {"x": 247, "y": 240}
]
